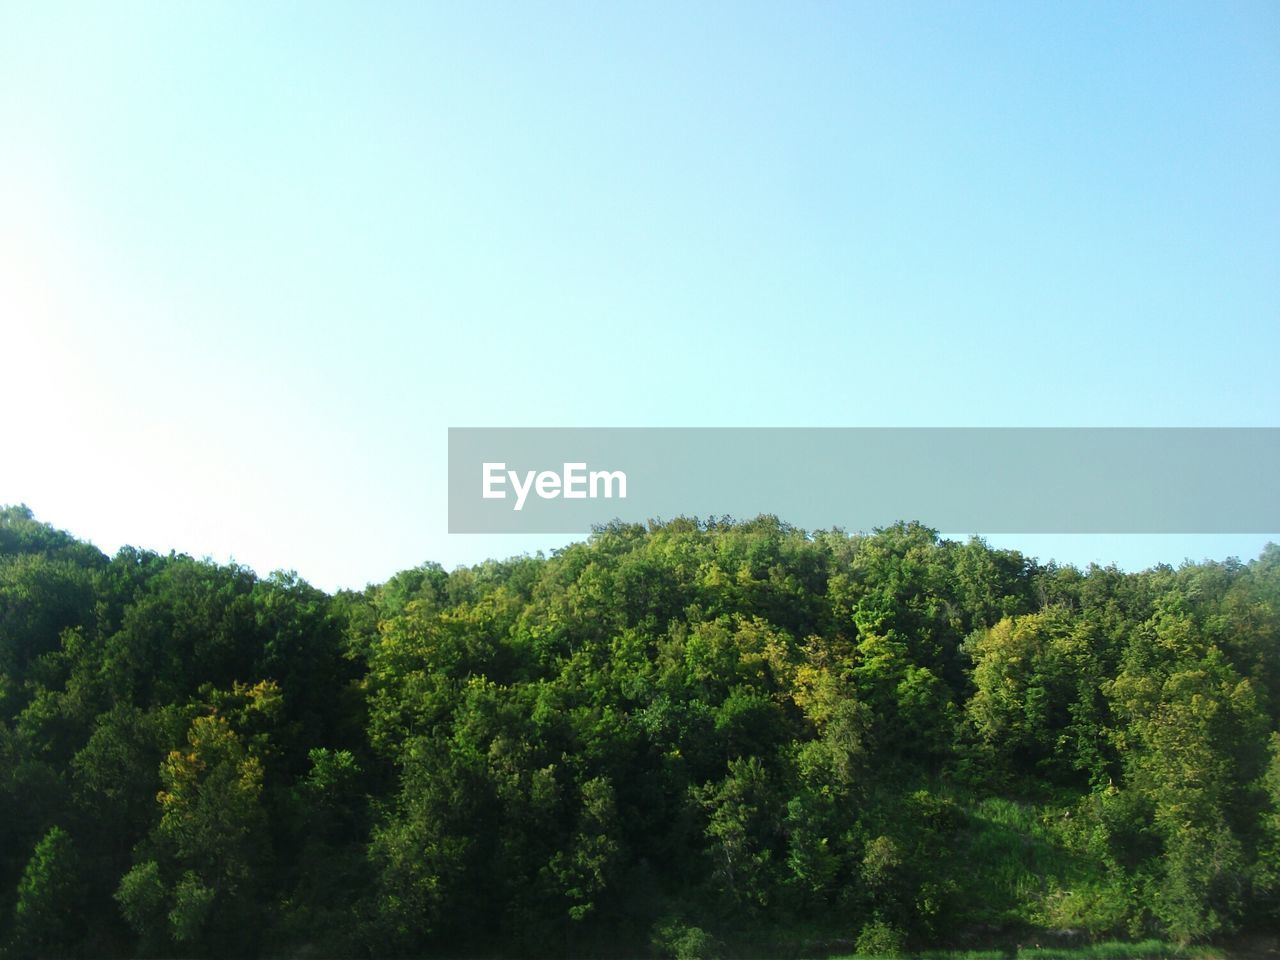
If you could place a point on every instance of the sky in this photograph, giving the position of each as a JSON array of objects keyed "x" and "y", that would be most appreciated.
[{"x": 255, "y": 259}]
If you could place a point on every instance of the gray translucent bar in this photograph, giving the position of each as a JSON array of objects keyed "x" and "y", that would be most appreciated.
[{"x": 980, "y": 480}]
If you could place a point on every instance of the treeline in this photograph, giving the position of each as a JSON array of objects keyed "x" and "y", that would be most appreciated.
[{"x": 683, "y": 740}]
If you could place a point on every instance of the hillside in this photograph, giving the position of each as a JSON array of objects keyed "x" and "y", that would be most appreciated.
[{"x": 689, "y": 739}]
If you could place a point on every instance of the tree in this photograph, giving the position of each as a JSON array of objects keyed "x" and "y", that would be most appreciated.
[
  {"x": 47, "y": 917},
  {"x": 200, "y": 871}
]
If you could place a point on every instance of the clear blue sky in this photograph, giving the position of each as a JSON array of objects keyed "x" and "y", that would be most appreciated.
[{"x": 256, "y": 258}]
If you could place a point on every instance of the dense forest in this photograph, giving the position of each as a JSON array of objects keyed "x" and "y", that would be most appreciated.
[{"x": 687, "y": 739}]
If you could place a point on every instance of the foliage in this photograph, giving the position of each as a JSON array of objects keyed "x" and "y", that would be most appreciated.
[{"x": 690, "y": 739}]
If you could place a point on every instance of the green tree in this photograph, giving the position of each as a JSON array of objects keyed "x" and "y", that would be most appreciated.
[{"x": 47, "y": 916}]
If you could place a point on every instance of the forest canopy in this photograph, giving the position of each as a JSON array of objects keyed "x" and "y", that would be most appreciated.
[{"x": 691, "y": 738}]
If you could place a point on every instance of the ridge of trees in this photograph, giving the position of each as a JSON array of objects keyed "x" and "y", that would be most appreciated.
[{"x": 676, "y": 739}]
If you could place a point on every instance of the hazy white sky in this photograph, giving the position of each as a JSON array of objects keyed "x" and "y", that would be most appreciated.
[{"x": 255, "y": 259}]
